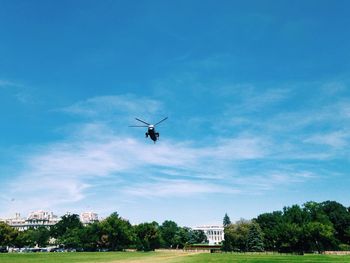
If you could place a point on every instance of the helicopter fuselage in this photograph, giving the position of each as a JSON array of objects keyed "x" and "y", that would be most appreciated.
[{"x": 151, "y": 132}]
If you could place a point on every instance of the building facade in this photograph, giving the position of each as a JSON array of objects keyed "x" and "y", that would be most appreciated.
[
  {"x": 43, "y": 219},
  {"x": 215, "y": 234},
  {"x": 88, "y": 218},
  {"x": 34, "y": 220}
]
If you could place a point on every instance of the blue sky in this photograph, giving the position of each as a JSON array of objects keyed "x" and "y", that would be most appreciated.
[{"x": 257, "y": 95}]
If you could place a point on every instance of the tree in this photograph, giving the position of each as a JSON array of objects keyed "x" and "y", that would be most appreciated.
[
  {"x": 226, "y": 220},
  {"x": 314, "y": 227},
  {"x": 296, "y": 215},
  {"x": 148, "y": 236},
  {"x": 67, "y": 231},
  {"x": 116, "y": 233},
  {"x": 8, "y": 235},
  {"x": 236, "y": 236},
  {"x": 71, "y": 238},
  {"x": 291, "y": 238},
  {"x": 270, "y": 224},
  {"x": 90, "y": 237},
  {"x": 340, "y": 218},
  {"x": 315, "y": 212},
  {"x": 168, "y": 232},
  {"x": 255, "y": 241},
  {"x": 67, "y": 222},
  {"x": 292, "y": 231},
  {"x": 33, "y": 237},
  {"x": 197, "y": 237},
  {"x": 181, "y": 238},
  {"x": 227, "y": 244},
  {"x": 320, "y": 236}
]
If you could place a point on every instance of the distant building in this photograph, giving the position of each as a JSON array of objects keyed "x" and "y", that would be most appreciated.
[
  {"x": 43, "y": 218},
  {"x": 34, "y": 220},
  {"x": 215, "y": 234},
  {"x": 17, "y": 221},
  {"x": 88, "y": 218}
]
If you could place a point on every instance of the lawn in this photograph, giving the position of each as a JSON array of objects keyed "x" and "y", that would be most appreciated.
[
  {"x": 263, "y": 258},
  {"x": 164, "y": 256}
]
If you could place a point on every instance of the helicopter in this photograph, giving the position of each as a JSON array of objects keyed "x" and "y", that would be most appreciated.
[{"x": 151, "y": 132}]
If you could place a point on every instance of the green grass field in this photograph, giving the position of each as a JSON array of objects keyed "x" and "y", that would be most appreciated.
[{"x": 164, "y": 256}]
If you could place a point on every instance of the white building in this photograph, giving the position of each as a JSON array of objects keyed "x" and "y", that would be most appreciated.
[
  {"x": 44, "y": 218},
  {"x": 34, "y": 220},
  {"x": 17, "y": 221},
  {"x": 215, "y": 234},
  {"x": 88, "y": 217}
]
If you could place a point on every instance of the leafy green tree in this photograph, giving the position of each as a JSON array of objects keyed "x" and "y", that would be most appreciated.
[
  {"x": 168, "y": 231},
  {"x": 116, "y": 233},
  {"x": 33, "y": 237},
  {"x": 296, "y": 215},
  {"x": 270, "y": 224},
  {"x": 67, "y": 231},
  {"x": 315, "y": 212},
  {"x": 319, "y": 232},
  {"x": 71, "y": 238},
  {"x": 226, "y": 220},
  {"x": 292, "y": 231},
  {"x": 90, "y": 237},
  {"x": 320, "y": 237},
  {"x": 291, "y": 238},
  {"x": 67, "y": 222},
  {"x": 148, "y": 236},
  {"x": 236, "y": 236},
  {"x": 315, "y": 227},
  {"x": 255, "y": 241},
  {"x": 196, "y": 237},
  {"x": 42, "y": 236},
  {"x": 227, "y": 244},
  {"x": 23, "y": 239},
  {"x": 181, "y": 237},
  {"x": 8, "y": 235},
  {"x": 340, "y": 218}
]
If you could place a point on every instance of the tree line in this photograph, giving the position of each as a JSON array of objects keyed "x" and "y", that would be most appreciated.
[
  {"x": 111, "y": 234},
  {"x": 296, "y": 229}
]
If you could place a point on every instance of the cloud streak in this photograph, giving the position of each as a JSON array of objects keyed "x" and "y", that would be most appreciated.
[{"x": 107, "y": 106}]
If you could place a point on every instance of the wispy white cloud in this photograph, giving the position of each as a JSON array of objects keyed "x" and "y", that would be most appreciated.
[
  {"x": 241, "y": 148},
  {"x": 8, "y": 83},
  {"x": 269, "y": 179},
  {"x": 17, "y": 91},
  {"x": 333, "y": 87},
  {"x": 338, "y": 139},
  {"x": 109, "y": 105},
  {"x": 249, "y": 99},
  {"x": 97, "y": 154},
  {"x": 63, "y": 173},
  {"x": 171, "y": 188},
  {"x": 303, "y": 122},
  {"x": 342, "y": 110}
]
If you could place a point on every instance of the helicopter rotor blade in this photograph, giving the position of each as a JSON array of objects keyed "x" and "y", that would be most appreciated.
[
  {"x": 161, "y": 121},
  {"x": 138, "y": 126},
  {"x": 142, "y": 121}
]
